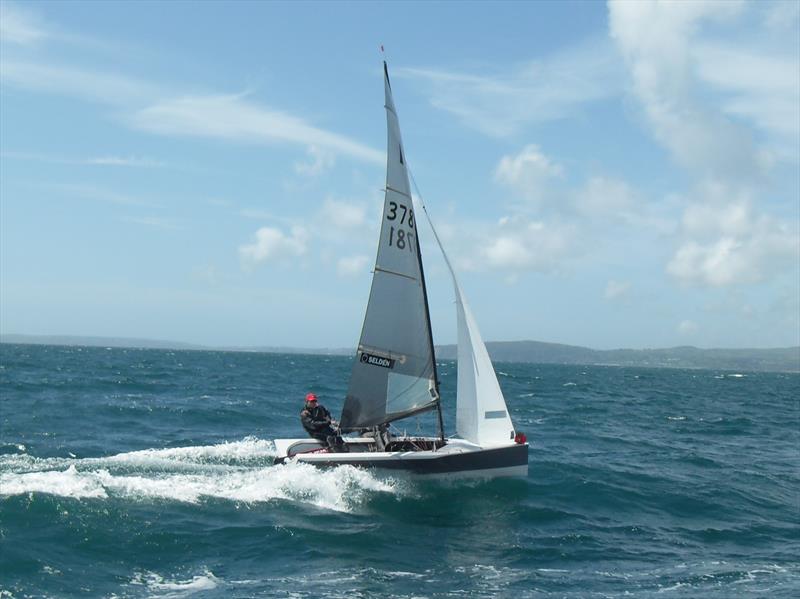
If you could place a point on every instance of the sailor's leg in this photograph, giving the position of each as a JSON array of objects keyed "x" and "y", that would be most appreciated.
[
  {"x": 337, "y": 444},
  {"x": 334, "y": 440}
]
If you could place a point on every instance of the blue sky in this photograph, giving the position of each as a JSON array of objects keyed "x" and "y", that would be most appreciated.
[{"x": 610, "y": 175}]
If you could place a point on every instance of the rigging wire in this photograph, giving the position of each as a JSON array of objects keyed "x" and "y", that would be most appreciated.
[
  {"x": 421, "y": 202},
  {"x": 435, "y": 233}
]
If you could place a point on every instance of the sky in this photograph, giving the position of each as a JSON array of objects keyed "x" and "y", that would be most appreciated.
[{"x": 607, "y": 175}]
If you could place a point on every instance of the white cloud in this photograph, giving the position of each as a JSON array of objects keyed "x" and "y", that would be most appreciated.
[
  {"x": 783, "y": 14},
  {"x": 208, "y": 274},
  {"x": 657, "y": 41},
  {"x": 24, "y": 29},
  {"x": 509, "y": 251},
  {"x": 258, "y": 214},
  {"x": 785, "y": 308},
  {"x": 271, "y": 243},
  {"x": 352, "y": 266},
  {"x": 724, "y": 105},
  {"x": 731, "y": 260},
  {"x": 518, "y": 243},
  {"x": 528, "y": 173},
  {"x": 760, "y": 87},
  {"x": 617, "y": 289},
  {"x": 501, "y": 103},
  {"x": 96, "y": 193},
  {"x": 603, "y": 196},
  {"x": 556, "y": 221},
  {"x": 336, "y": 224},
  {"x": 129, "y": 161},
  {"x": 748, "y": 311},
  {"x": 126, "y": 161},
  {"x": 232, "y": 118},
  {"x": 157, "y": 109},
  {"x": 687, "y": 327},
  {"x": 152, "y": 221},
  {"x": 319, "y": 161},
  {"x": 716, "y": 263},
  {"x": 341, "y": 214},
  {"x": 20, "y": 26},
  {"x": 219, "y": 202},
  {"x": 727, "y": 243},
  {"x": 727, "y": 218},
  {"x": 91, "y": 85},
  {"x": 539, "y": 180}
]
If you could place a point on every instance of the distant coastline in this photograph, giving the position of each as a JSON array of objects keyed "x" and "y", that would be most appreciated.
[
  {"x": 785, "y": 359},
  {"x": 140, "y": 343}
]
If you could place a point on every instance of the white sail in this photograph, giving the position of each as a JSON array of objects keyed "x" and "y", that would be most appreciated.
[{"x": 481, "y": 412}]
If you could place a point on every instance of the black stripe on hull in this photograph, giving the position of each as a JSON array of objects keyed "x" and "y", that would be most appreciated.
[{"x": 486, "y": 459}]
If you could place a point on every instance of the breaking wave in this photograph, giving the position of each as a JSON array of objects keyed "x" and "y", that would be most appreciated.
[
  {"x": 158, "y": 586},
  {"x": 239, "y": 471}
]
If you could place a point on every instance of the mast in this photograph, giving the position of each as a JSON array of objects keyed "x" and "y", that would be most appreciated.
[{"x": 427, "y": 311}]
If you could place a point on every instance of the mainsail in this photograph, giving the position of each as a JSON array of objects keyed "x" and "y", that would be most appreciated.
[{"x": 394, "y": 373}]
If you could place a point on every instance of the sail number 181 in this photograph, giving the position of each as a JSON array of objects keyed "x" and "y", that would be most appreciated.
[{"x": 399, "y": 237}]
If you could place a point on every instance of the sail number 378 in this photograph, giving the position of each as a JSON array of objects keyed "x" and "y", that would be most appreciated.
[{"x": 399, "y": 237}]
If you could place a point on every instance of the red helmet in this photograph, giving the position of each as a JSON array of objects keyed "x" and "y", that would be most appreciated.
[{"x": 311, "y": 397}]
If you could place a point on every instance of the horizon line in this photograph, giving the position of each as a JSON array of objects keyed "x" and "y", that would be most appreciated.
[{"x": 171, "y": 343}]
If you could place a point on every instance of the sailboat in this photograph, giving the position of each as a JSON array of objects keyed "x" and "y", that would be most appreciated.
[{"x": 394, "y": 372}]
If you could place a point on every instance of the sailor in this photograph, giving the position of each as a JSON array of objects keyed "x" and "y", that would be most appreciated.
[{"x": 317, "y": 422}]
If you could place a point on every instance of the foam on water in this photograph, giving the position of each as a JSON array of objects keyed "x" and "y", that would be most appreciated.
[
  {"x": 216, "y": 472},
  {"x": 245, "y": 451},
  {"x": 67, "y": 483},
  {"x": 248, "y": 451},
  {"x": 159, "y": 587}
]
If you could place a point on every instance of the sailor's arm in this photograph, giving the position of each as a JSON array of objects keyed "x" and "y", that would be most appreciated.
[
  {"x": 326, "y": 416},
  {"x": 307, "y": 421}
]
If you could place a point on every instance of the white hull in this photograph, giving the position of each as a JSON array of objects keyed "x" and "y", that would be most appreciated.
[{"x": 457, "y": 459}]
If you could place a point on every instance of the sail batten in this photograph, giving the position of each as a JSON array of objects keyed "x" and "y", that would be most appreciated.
[
  {"x": 394, "y": 371},
  {"x": 403, "y": 193},
  {"x": 397, "y": 274}
]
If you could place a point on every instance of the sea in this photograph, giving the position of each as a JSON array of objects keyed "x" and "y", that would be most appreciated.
[{"x": 149, "y": 473}]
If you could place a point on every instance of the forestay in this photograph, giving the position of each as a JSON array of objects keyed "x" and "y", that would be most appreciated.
[{"x": 394, "y": 373}]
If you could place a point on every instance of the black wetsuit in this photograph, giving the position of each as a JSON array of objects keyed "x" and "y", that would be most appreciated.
[{"x": 317, "y": 422}]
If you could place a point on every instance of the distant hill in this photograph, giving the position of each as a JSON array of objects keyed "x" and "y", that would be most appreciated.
[
  {"x": 777, "y": 360},
  {"x": 155, "y": 344},
  {"x": 97, "y": 341}
]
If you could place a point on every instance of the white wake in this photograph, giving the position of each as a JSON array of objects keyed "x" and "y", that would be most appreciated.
[{"x": 239, "y": 471}]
